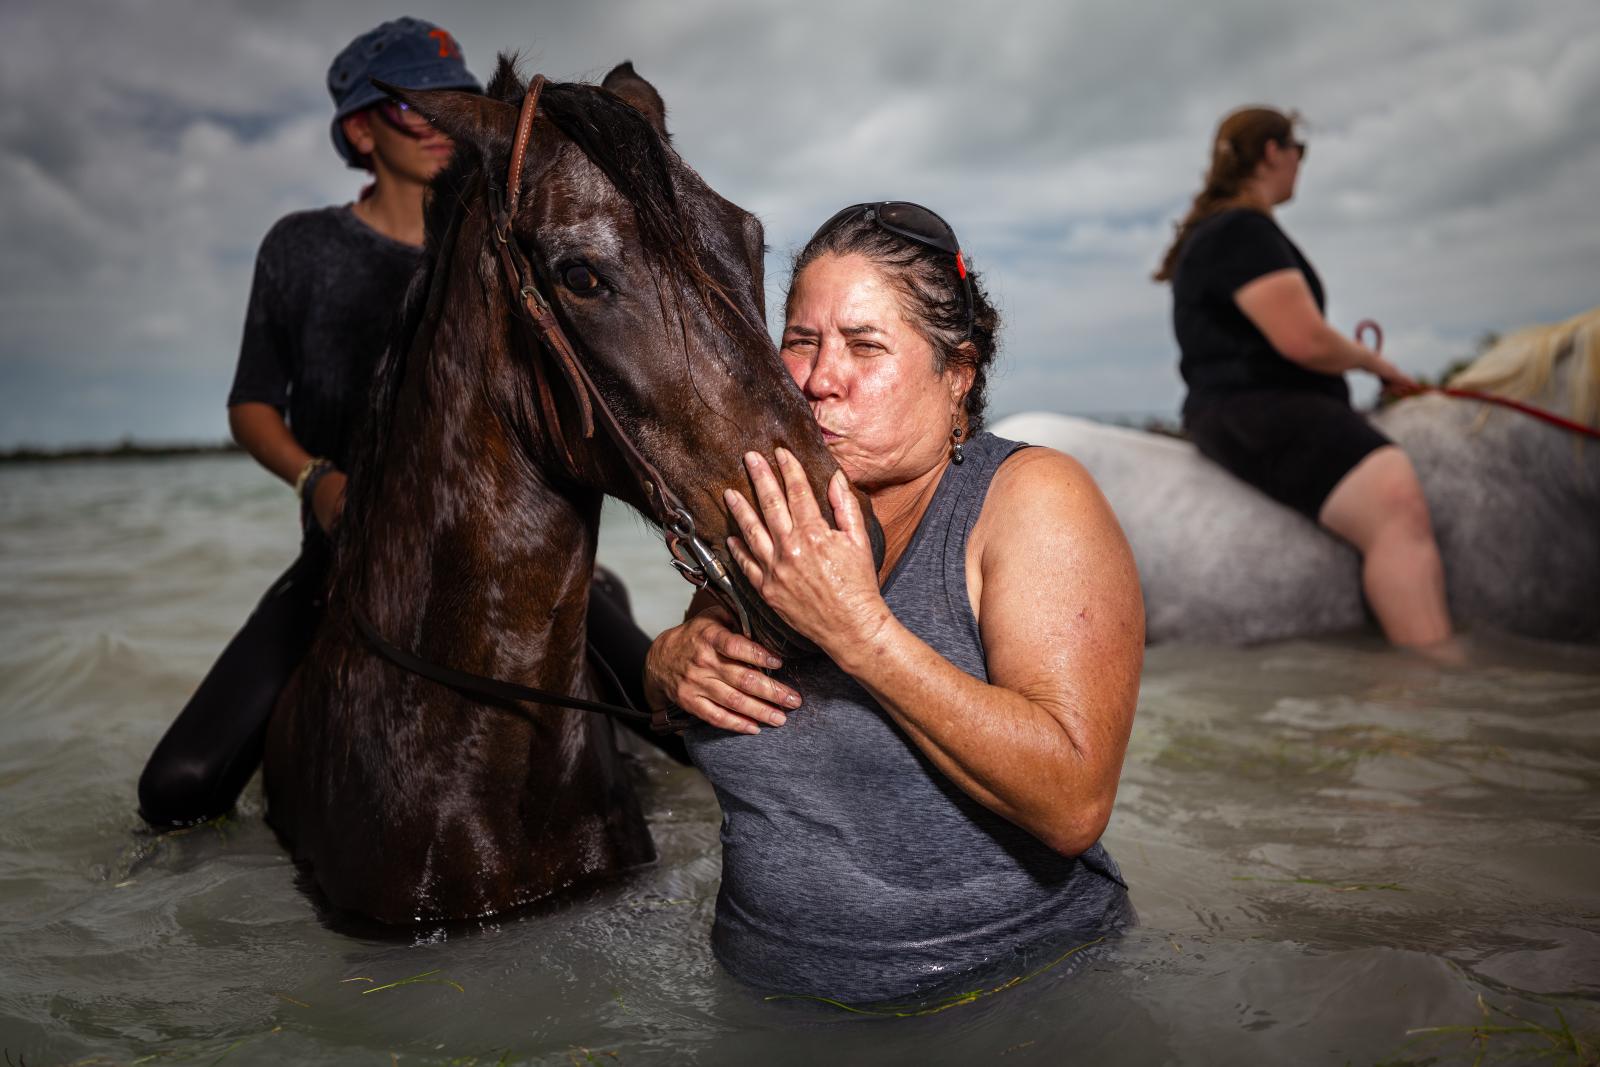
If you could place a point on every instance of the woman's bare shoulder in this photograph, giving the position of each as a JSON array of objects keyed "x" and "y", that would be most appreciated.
[
  {"x": 1045, "y": 517},
  {"x": 1038, "y": 484},
  {"x": 1056, "y": 577}
]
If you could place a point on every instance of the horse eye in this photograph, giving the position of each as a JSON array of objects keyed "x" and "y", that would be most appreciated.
[{"x": 580, "y": 279}]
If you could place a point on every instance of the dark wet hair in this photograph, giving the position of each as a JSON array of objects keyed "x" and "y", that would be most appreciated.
[{"x": 931, "y": 298}]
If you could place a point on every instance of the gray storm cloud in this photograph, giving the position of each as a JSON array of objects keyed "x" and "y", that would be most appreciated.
[{"x": 144, "y": 150}]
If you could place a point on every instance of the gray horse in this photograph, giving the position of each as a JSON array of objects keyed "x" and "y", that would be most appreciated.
[{"x": 1515, "y": 505}]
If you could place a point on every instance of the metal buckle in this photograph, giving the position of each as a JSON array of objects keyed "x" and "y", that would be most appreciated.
[
  {"x": 690, "y": 556},
  {"x": 693, "y": 558}
]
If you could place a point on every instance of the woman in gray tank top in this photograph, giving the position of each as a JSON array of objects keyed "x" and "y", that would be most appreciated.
[{"x": 927, "y": 797}]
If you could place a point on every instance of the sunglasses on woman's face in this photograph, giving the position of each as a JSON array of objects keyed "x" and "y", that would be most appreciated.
[{"x": 915, "y": 222}]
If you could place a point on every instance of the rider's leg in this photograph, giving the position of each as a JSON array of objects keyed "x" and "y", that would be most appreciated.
[
  {"x": 1379, "y": 508},
  {"x": 208, "y": 754},
  {"x": 617, "y": 639}
]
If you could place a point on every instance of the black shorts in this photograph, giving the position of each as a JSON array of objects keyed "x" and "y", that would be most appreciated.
[{"x": 1293, "y": 445}]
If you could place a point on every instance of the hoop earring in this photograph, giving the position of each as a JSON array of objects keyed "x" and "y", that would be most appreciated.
[{"x": 956, "y": 455}]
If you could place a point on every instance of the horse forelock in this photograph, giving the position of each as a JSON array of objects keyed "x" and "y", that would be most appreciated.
[{"x": 1523, "y": 365}]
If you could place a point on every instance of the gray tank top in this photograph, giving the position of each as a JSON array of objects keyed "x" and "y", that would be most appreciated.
[{"x": 851, "y": 867}]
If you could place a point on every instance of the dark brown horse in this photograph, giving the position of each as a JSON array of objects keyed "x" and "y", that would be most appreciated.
[{"x": 469, "y": 537}]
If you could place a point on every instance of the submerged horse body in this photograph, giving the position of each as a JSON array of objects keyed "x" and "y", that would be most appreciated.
[
  {"x": 469, "y": 538},
  {"x": 1513, "y": 502}
]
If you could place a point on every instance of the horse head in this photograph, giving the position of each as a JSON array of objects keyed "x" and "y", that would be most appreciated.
[{"x": 650, "y": 375}]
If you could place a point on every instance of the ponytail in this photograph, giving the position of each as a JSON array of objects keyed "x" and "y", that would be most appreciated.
[{"x": 1239, "y": 146}]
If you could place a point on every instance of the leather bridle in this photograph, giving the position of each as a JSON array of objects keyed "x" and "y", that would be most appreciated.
[{"x": 691, "y": 556}]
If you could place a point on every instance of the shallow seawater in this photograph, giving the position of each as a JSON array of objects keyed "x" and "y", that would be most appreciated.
[{"x": 1339, "y": 853}]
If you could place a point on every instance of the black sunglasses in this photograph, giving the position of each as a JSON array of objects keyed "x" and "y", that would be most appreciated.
[{"x": 915, "y": 222}]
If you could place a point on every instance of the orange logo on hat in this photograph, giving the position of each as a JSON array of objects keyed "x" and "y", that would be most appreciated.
[{"x": 447, "y": 44}]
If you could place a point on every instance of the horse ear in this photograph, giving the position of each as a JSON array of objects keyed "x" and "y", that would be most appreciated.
[
  {"x": 626, "y": 83},
  {"x": 466, "y": 118}
]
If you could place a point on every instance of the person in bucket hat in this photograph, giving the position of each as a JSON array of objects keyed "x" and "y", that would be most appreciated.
[
  {"x": 407, "y": 52},
  {"x": 328, "y": 283}
]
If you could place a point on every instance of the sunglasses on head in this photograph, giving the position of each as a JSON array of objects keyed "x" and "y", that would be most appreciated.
[{"x": 915, "y": 222}]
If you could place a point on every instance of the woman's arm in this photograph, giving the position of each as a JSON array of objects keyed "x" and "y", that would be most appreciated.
[
  {"x": 261, "y": 431},
  {"x": 1062, "y": 623},
  {"x": 1281, "y": 306},
  {"x": 714, "y": 673}
]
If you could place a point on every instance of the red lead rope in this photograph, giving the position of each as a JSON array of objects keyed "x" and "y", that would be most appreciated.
[{"x": 1366, "y": 325}]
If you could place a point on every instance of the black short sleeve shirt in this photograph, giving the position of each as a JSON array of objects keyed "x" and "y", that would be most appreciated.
[
  {"x": 1222, "y": 350},
  {"x": 326, "y": 292}
]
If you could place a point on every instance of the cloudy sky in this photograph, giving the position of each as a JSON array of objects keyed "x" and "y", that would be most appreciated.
[{"x": 146, "y": 146}]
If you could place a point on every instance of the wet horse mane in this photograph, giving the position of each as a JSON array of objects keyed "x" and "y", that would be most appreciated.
[
  {"x": 1520, "y": 366},
  {"x": 638, "y": 162}
]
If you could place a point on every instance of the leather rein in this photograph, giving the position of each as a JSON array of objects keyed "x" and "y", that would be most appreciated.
[
  {"x": 1366, "y": 326},
  {"x": 691, "y": 556}
]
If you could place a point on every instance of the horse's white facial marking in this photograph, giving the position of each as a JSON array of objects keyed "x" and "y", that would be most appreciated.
[
  {"x": 596, "y": 235},
  {"x": 594, "y": 238}
]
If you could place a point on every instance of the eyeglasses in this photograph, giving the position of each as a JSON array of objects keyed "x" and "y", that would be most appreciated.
[
  {"x": 917, "y": 223},
  {"x": 1298, "y": 146},
  {"x": 402, "y": 118}
]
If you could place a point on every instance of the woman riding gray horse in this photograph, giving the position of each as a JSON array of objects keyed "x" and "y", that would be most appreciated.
[
  {"x": 1267, "y": 396},
  {"x": 1513, "y": 501}
]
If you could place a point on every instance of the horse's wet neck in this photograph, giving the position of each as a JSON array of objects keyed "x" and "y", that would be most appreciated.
[{"x": 473, "y": 563}]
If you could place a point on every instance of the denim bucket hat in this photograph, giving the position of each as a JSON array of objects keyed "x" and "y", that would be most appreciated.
[{"x": 407, "y": 52}]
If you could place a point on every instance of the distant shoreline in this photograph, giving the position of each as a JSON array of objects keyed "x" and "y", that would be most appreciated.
[
  {"x": 146, "y": 450},
  {"x": 121, "y": 450}
]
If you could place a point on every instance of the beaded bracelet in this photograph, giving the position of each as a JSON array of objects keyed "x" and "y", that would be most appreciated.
[
  {"x": 308, "y": 492},
  {"x": 308, "y": 495},
  {"x": 312, "y": 466}
]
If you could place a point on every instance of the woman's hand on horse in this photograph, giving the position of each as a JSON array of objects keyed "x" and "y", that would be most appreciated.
[
  {"x": 819, "y": 576},
  {"x": 327, "y": 503},
  {"x": 1394, "y": 379},
  {"x": 711, "y": 671}
]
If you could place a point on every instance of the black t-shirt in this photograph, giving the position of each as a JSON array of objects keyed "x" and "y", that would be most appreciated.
[
  {"x": 326, "y": 293},
  {"x": 1222, "y": 350}
]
